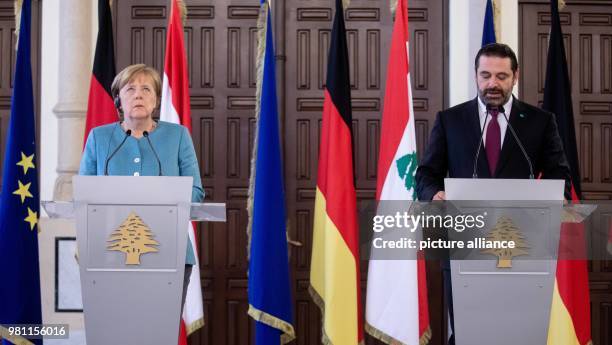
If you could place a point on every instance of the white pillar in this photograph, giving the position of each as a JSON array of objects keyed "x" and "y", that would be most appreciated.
[
  {"x": 74, "y": 75},
  {"x": 465, "y": 37},
  {"x": 509, "y": 27},
  {"x": 466, "y": 19},
  {"x": 69, "y": 57}
]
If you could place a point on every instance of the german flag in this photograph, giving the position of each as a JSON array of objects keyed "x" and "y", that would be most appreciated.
[
  {"x": 570, "y": 316},
  {"x": 100, "y": 105},
  {"x": 334, "y": 270}
]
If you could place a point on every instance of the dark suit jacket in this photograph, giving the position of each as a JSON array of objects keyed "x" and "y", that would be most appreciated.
[{"x": 455, "y": 137}]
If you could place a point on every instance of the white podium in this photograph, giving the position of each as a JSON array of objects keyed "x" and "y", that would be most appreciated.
[
  {"x": 132, "y": 238},
  {"x": 507, "y": 306}
]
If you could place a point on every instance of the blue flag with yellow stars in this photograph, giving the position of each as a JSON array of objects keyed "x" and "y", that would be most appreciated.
[{"x": 19, "y": 208}]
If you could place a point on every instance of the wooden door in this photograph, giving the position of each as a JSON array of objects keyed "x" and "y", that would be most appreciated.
[{"x": 221, "y": 41}]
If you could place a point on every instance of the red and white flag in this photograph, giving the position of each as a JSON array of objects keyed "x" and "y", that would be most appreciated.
[
  {"x": 175, "y": 108},
  {"x": 396, "y": 303}
]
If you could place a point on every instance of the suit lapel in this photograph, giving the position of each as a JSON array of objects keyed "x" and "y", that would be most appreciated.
[
  {"x": 473, "y": 121},
  {"x": 510, "y": 146}
]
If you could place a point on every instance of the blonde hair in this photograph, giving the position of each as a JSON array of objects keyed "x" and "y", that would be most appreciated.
[{"x": 129, "y": 73}]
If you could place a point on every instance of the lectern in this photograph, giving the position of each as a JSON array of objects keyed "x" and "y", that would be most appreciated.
[
  {"x": 508, "y": 305},
  {"x": 132, "y": 237}
]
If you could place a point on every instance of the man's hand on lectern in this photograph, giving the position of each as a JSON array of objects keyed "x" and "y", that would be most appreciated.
[{"x": 441, "y": 195}]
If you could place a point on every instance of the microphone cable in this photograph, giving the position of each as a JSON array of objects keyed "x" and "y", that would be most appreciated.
[
  {"x": 480, "y": 143},
  {"x": 127, "y": 134},
  {"x": 146, "y": 135},
  {"x": 520, "y": 144}
]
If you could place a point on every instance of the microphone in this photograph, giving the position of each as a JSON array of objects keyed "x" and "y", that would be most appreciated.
[
  {"x": 520, "y": 144},
  {"x": 127, "y": 134},
  {"x": 480, "y": 143},
  {"x": 146, "y": 135}
]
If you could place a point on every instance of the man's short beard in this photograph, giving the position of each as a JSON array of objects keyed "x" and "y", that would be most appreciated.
[{"x": 483, "y": 99}]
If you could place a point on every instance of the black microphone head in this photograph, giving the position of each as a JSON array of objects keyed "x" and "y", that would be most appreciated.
[
  {"x": 127, "y": 134},
  {"x": 491, "y": 107},
  {"x": 145, "y": 134},
  {"x": 499, "y": 109}
]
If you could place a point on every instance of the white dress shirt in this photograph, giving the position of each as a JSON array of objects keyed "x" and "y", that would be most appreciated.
[{"x": 503, "y": 125}]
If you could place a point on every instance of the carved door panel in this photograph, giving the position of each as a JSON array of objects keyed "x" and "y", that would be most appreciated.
[{"x": 588, "y": 46}]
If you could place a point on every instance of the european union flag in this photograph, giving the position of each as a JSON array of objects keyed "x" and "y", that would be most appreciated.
[
  {"x": 19, "y": 210},
  {"x": 269, "y": 286},
  {"x": 488, "y": 28}
]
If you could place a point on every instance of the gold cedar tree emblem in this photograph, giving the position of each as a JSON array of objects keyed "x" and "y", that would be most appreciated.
[
  {"x": 506, "y": 230},
  {"x": 134, "y": 238}
]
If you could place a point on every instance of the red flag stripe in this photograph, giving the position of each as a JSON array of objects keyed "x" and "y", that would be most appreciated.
[
  {"x": 175, "y": 67},
  {"x": 575, "y": 295},
  {"x": 100, "y": 109},
  {"x": 182, "y": 340},
  {"x": 571, "y": 275},
  {"x": 337, "y": 184},
  {"x": 396, "y": 116},
  {"x": 424, "y": 324}
]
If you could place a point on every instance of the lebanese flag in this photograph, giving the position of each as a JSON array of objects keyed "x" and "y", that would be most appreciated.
[
  {"x": 175, "y": 108},
  {"x": 100, "y": 106},
  {"x": 396, "y": 303},
  {"x": 334, "y": 268}
]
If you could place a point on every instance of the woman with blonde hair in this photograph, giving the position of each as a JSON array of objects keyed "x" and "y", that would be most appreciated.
[{"x": 137, "y": 144}]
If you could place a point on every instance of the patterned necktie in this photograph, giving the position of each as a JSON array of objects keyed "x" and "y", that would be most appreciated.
[{"x": 493, "y": 142}]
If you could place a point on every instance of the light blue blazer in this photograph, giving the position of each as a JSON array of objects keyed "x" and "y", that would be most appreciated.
[{"x": 172, "y": 143}]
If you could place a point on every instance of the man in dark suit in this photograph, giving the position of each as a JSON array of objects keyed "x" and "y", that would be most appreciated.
[{"x": 455, "y": 138}]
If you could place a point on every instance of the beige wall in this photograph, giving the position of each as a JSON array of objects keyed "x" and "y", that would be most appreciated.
[
  {"x": 51, "y": 89},
  {"x": 465, "y": 36}
]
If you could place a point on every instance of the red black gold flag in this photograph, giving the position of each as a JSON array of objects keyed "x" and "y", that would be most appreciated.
[
  {"x": 334, "y": 270},
  {"x": 570, "y": 317}
]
